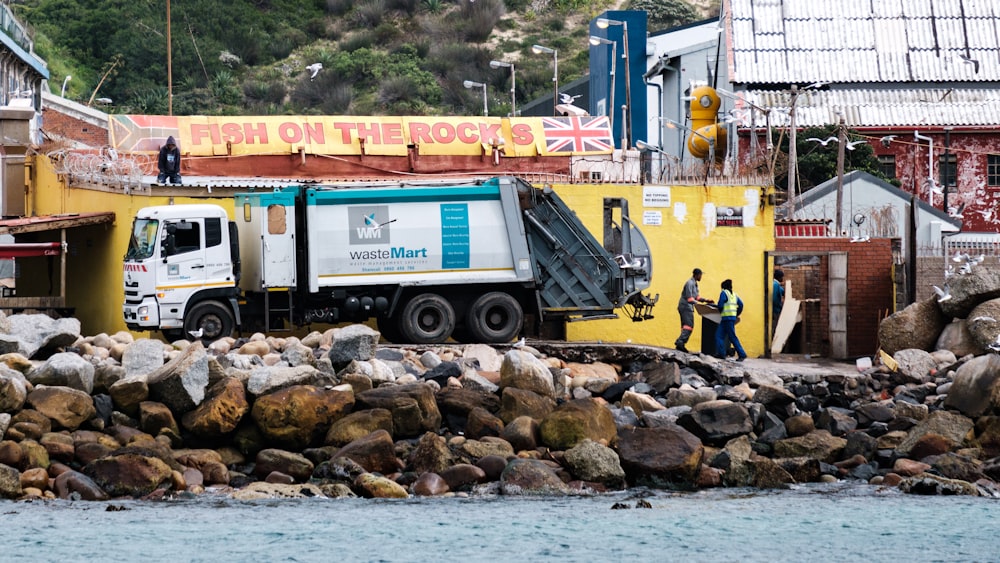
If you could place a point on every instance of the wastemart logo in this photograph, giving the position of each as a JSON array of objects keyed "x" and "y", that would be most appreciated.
[{"x": 369, "y": 224}]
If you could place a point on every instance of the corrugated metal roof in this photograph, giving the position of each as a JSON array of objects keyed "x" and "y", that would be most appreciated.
[
  {"x": 935, "y": 107},
  {"x": 797, "y": 41}
]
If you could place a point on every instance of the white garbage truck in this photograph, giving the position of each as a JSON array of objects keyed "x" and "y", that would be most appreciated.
[{"x": 477, "y": 261}]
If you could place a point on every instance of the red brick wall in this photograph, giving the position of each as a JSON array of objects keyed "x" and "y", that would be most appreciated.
[
  {"x": 870, "y": 290},
  {"x": 59, "y": 124}
]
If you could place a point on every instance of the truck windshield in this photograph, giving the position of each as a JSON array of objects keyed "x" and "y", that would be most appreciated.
[{"x": 144, "y": 239}]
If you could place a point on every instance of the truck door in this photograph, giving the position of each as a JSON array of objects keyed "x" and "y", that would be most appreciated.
[
  {"x": 184, "y": 259},
  {"x": 278, "y": 242}
]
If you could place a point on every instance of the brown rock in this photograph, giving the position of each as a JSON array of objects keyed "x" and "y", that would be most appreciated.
[
  {"x": 298, "y": 416},
  {"x": 358, "y": 425},
  {"x": 523, "y": 433},
  {"x": 431, "y": 454},
  {"x": 67, "y": 407},
  {"x": 373, "y": 486},
  {"x": 908, "y": 467},
  {"x": 59, "y": 446},
  {"x": 818, "y": 444},
  {"x": 950, "y": 425},
  {"x": 375, "y": 453},
  {"x": 128, "y": 474},
  {"x": 799, "y": 425},
  {"x": 11, "y": 454},
  {"x": 289, "y": 463},
  {"x": 10, "y": 482},
  {"x": 220, "y": 413},
  {"x": 930, "y": 444},
  {"x": 575, "y": 421},
  {"x": 414, "y": 409},
  {"x": 154, "y": 417},
  {"x": 916, "y": 326},
  {"x": 523, "y": 477},
  {"x": 35, "y": 477},
  {"x": 516, "y": 402},
  {"x": 666, "y": 454},
  {"x": 208, "y": 463},
  {"x": 523, "y": 370},
  {"x": 70, "y": 483},
  {"x": 492, "y": 466},
  {"x": 128, "y": 393},
  {"x": 429, "y": 485},
  {"x": 976, "y": 388},
  {"x": 481, "y": 423},
  {"x": 462, "y": 476}
]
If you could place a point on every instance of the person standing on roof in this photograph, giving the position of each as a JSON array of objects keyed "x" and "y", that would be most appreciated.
[
  {"x": 732, "y": 307},
  {"x": 169, "y": 164},
  {"x": 685, "y": 306}
]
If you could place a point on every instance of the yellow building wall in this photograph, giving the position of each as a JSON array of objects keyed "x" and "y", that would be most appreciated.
[
  {"x": 686, "y": 237},
  {"x": 94, "y": 279}
]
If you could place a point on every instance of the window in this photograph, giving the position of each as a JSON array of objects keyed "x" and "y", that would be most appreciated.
[
  {"x": 186, "y": 237},
  {"x": 887, "y": 165},
  {"x": 947, "y": 168},
  {"x": 213, "y": 232},
  {"x": 993, "y": 170}
]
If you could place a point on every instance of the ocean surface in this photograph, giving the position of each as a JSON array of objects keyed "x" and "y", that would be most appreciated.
[{"x": 832, "y": 522}]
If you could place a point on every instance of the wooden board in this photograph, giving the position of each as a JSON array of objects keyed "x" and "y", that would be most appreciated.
[{"x": 790, "y": 315}]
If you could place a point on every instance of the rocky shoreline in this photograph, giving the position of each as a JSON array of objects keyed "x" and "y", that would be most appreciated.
[{"x": 339, "y": 414}]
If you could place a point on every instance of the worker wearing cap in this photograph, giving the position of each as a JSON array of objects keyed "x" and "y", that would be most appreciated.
[{"x": 685, "y": 306}]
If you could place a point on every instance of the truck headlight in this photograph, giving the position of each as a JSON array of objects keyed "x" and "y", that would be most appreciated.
[{"x": 143, "y": 310}]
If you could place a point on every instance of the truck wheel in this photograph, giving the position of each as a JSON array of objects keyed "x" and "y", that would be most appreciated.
[
  {"x": 208, "y": 321},
  {"x": 427, "y": 319},
  {"x": 495, "y": 318}
]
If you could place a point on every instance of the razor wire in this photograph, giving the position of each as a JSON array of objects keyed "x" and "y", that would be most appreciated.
[{"x": 108, "y": 167}]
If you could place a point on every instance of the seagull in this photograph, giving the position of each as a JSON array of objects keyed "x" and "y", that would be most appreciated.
[
  {"x": 519, "y": 343},
  {"x": 850, "y": 146},
  {"x": 815, "y": 85},
  {"x": 985, "y": 319},
  {"x": 949, "y": 271},
  {"x": 314, "y": 69},
  {"x": 567, "y": 99},
  {"x": 970, "y": 61},
  {"x": 942, "y": 294},
  {"x": 956, "y": 212},
  {"x": 196, "y": 334},
  {"x": 966, "y": 268},
  {"x": 887, "y": 139},
  {"x": 860, "y": 239},
  {"x": 960, "y": 257},
  {"x": 821, "y": 141}
]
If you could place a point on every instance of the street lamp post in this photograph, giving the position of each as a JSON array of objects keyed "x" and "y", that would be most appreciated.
[
  {"x": 603, "y": 23},
  {"x": 471, "y": 84},
  {"x": 62, "y": 94},
  {"x": 538, "y": 50},
  {"x": 513, "y": 87},
  {"x": 595, "y": 41}
]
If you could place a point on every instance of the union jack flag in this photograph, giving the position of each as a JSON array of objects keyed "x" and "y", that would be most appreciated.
[{"x": 590, "y": 134}]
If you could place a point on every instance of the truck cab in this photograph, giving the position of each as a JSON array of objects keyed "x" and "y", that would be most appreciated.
[{"x": 180, "y": 266}]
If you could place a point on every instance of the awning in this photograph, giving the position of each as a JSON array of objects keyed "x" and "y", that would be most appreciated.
[
  {"x": 22, "y": 225},
  {"x": 27, "y": 250}
]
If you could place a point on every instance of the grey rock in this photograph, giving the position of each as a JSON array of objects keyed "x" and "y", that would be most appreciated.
[
  {"x": 67, "y": 370},
  {"x": 916, "y": 326},
  {"x": 915, "y": 364},
  {"x": 268, "y": 379},
  {"x": 142, "y": 357},
  {"x": 591, "y": 461},
  {"x": 353, "y": 342},
  {"x": 180, "y": 383}
]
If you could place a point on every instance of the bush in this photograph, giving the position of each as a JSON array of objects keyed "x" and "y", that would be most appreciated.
[
  {"x": 480, "y": 18},
  {"x": 369, "y": 13},
  {"x": 339, "y": 7},
  {"x": 663, "y": 14}
]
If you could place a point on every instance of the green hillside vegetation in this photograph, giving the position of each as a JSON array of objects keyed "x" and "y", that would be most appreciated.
[{"x": 379, "y": 57}]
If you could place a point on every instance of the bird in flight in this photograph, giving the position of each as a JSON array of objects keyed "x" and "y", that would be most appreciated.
[
  {"x": 970, "y": 61},
  {"x": 822, "y": 141},
  {"x": 942, "y": 294},
  {"x": 314, "y": 69},
  {"x": 850, "y": 146}
]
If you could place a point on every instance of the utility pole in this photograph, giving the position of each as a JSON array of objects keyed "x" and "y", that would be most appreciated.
[
  {"x": 841, "y": 149},
  {"x": 170, "y": 72},
  {"x": 792, "y": 156}
]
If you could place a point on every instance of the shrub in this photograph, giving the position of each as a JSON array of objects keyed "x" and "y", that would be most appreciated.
[
  {"x": 339, "y": 7},
  {"x": 663, "y": 14},
  {"x": 369, "y": 13},
  {"x": 480, "y": 18}
]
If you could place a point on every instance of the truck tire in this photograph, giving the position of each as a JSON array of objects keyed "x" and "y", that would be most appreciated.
[
  {"x": 208, "y": 321},
  {"x": 494, "y": 318},
  {"x": 427, "y": 319}
]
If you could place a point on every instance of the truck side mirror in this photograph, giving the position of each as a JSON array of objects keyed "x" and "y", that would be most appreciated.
[{"x": 169, "y": 246}]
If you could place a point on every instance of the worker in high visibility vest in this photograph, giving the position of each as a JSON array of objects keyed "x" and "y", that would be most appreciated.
[{"x": 731, "y": 307}]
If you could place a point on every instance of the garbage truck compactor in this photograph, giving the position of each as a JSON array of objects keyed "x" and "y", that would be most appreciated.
[{"x": 482, "y": 261}]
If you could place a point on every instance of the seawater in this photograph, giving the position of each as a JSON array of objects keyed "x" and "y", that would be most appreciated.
[{"x": 836, "y": 522}]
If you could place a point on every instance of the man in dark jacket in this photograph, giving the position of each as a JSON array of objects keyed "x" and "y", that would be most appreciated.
[{"x": 169, "y": 163}]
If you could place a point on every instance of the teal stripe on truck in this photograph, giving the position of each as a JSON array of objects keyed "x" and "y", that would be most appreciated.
[{"x": 401, "y": 195}]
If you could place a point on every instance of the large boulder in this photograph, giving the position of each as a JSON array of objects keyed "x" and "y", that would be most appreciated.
[
  {"x": 67, "y": 407},
  {"x": 522, "y": 370},
  {"x": 717, "y": 422},
  {"x": 575, "y": 421},
  {"x": 142, "y": 357},
  {"x": 299, "y": 416},
  {"x": 957, "y": 339},
  {"x": 353, "y": 342},
  {"x": 594, "y": 462},
  {"x": 916, "y": 326},
  {"x": 128, "y": 474},
  {"x": 818, "y": 444},
  {"x": 357, "y": 425},
  {"x": 667, "y": 455},
  {"x": 431, "y": 454},
  {"x": 953, "y": 427},
  {"x": 525, "y": 477},
  {"x": 13, "y": 390},
  {"x": 268, "y": 379},
  {"x": 976, "y": 388},
  {"x": 516, "y": 402},
  {"x": 915, "y": 365},
  {"x": 375, "y": 453},
  {"x": 38, "y": 336},
  {"x": 65, "y": 370},
  {"x": 222, "y": 410},
  {"x": 292, "y": 464},
  {"x": 969, "y": 290},
  {"x": 413, "y": 407},
  {"x": 180, "y": 383},
  {"x": 983, "y": 323},
  {"x": 10, "y": 482}
]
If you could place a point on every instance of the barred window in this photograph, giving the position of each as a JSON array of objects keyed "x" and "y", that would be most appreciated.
[
  {"x": 993, "y": 170},
  {"x": 887, "y": 165}
]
